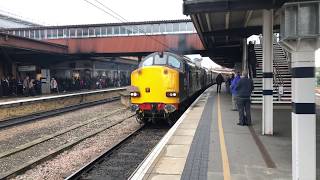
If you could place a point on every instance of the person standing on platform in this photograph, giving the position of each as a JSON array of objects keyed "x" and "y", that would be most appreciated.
[
  {"x": 54, "y": 85},
  {"x": 26, "y": 86},
  {"x": 252, "y": 59},
  {"x": 233, "y": 86},
  {"x": 31, "y": 87},
  {"x": 244, "y": 89},
  {"x": 219, "y": 80}
]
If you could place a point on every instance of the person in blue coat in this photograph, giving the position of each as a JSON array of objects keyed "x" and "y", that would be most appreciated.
[{"x": 234, "y": 91}]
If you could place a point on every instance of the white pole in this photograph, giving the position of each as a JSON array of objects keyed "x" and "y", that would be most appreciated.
[
  {"x": 303, "y": 113},
  {"x": 267, "y": 110}
]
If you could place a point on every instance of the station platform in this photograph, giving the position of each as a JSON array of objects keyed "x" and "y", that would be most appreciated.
[
  {"x": 207, "y": 143},
  {"x": 9, "y": 100}
]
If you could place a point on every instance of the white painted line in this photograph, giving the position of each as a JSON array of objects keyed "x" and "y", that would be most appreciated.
[
  {"x": 58, "y": 96},
  {"x": 145, "y": 165}
]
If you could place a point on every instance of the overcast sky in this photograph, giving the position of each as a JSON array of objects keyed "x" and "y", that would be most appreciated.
[{"x": 65, "y": 12}]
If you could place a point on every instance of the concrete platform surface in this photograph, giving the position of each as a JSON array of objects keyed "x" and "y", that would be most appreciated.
[{"x": 207, "y": 143}]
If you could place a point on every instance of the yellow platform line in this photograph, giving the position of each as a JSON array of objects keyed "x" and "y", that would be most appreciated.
[{"x": 224, "y": 154}]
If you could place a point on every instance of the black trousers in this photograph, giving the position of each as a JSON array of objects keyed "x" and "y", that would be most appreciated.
[
  {"x": 244, "y": 110},
  {"x": 218, "y": 88},
  {"x": 253, "y": 70}
]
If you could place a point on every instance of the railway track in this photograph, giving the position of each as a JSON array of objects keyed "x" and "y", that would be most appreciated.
[
  {"x": 54, "y": 144},
  {"x": 37, "y": 116},
  {"x": 124, "y": 157}
]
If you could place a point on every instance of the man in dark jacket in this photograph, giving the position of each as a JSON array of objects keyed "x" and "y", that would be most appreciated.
[
  {"x": 219, "y": 80},
  {"x": 252, "y": 59},
  {"x": 244, "y": 89}
]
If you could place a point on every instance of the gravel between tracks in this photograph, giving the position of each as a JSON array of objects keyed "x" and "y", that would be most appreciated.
[
  {"x": 16, "y": 135},
  {"x": 71, "y": 160}
]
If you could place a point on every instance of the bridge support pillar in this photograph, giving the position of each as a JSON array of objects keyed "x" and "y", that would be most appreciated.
[
  {"x": 300, "y": 35},
  {"x": 244, "y": 55},
  {"x": 267, "y": 109}
]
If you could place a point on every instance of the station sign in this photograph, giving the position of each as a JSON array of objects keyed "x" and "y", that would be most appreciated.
[{"x": 26, "y": 68}]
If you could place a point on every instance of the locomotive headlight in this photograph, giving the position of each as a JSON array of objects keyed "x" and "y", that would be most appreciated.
[
  {"x": 134, "y": 94},
  {"x": 172, "y": 94}
]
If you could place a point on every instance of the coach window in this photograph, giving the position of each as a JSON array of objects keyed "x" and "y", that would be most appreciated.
[
  {"x": 79, "y": 32},
  {"x": 174, "y": 62},
  {"x": 148, "y": 62}
]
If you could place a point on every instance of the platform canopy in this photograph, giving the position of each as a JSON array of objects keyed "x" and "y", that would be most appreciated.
[{"x": 222, "y": 24}]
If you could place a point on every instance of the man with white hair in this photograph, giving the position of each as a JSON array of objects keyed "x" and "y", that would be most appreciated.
[{"x": 244, "y": 89}]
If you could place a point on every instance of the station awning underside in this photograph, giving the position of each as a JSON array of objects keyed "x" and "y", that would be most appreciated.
[
  {"x": 19, "y": 49},
  {"x": 222, "y": 24}
]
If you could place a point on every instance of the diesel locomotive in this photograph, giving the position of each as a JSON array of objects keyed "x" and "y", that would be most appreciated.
[{"x": 164, "y": 84}]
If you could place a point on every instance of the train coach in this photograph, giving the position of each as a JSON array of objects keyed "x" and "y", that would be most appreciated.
[{"x": 164, "y": 84}]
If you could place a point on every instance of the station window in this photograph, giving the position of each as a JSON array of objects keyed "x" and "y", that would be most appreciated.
[
  {"x": 42, "y": 34},
  {"x": 174, "y": 62},
  {"x": 103, "y": 31},
  {"x": 66, "y": 32},
  {"x": 169, "y": 27},
  {"x": 32, "y": 34},
  {"x": 85, "y": 32},
  {"x": 129, "y": 30},
  {"x": 175, "y": 27},
  {"x": 135, "y": 30},
  {"x": 37, "y": 34},
  {"x": 91, "y": 32},
  {"x": 148, "y": 29},
  {"x": 116, "y": 30},
  {"x": 60, "y": 33},
  {"x": 109, "y": 30},
  {"x": 72, "y": 32},
  {"x": 162, "y": 28},
  {"x": 79, "y": 32},
  {"x": 142, "y": 29},
  {"x": 97, "y": 31},
  {"x": 156, "y": 28},
  {"x": 123, "y": 30},
  {"x": 190, "y": 26},
  {"x": 54, "y": 33},
  {"x": 148, "y": 62},
  {"x": 182, "y": 27}
]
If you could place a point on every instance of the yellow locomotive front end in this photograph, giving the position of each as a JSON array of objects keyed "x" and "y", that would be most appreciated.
[{"x": 155, "y": 87}]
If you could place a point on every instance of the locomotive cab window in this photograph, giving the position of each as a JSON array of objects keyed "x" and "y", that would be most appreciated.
[
  {"x": 158, "y": 60},
  {"x": 174, "y": 62},
  {"x": 148, "y": 62}
]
